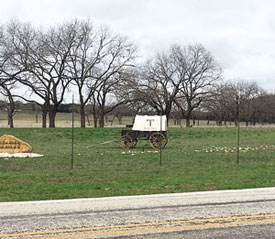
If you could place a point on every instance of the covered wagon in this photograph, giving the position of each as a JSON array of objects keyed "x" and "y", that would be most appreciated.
[{"x": 146, "y": 127}]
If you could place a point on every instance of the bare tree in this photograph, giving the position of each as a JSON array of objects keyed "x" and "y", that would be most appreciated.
[
  {"x": 8, "y": 74},
  {"x": 96, "y": 65},
  {"x": 216, "y": 105},
  {"x": 83, "y": 57},
  {"x": 107, "y": 77},
  {"x": 198, "y": 71},
  {"x": 106, "y": 97},
  {"x": 182, "y": 77},
  {"x": 235, "y": 98},
  {"x": 157, "y": 84},
  {"x": 263, "y": 108},
  {"x": 44, "y": 57},
  {"x": 22, "y": 45},
  {"x": 6, "y": 91},
  {"x": 58, "y": 43},
  {"x": 241, "y": 93},
  {"x": 6, "y": 85},
  {"x": 250, "y": 106}
]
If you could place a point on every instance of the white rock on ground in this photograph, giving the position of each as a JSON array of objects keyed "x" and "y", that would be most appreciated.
[{"x": 20, "y": 155}]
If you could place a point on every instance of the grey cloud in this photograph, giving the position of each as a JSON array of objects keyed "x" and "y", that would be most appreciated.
[{"x": 238, "y": 33}]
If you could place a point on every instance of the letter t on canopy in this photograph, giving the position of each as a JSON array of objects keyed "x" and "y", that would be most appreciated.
[{"x": 150, "y": 121}]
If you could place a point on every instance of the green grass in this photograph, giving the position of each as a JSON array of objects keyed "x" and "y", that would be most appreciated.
[{"x": 194, "y": 159}]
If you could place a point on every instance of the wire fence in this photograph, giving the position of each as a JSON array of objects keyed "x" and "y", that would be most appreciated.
[{"x": 91, "y": 162}]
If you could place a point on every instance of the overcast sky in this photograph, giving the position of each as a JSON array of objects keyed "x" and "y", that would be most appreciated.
[{"x": 239, "y": 33}]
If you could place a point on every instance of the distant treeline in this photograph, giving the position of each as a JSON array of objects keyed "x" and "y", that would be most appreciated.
[{"x": 259, "y": 110}]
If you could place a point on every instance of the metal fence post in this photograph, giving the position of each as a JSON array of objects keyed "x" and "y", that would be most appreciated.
[
  {"x": 160, "y": 145},
  {"x": 238, "y": 129},
  {"x": 72, "y": 155}
]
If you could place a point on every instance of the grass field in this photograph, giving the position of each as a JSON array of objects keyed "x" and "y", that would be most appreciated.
[{"x": 195, "y": 159}]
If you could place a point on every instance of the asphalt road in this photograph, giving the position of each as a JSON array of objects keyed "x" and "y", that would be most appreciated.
[{"x": 246, "y": 213}]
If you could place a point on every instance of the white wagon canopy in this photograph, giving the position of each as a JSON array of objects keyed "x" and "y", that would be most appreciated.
[{"x": 150, "y": 123}]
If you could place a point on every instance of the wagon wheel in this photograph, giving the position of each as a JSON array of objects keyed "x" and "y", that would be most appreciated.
[
  {"x": 157, "y": 140},
  {"x": 127, "y": 141},
  {"x": 134, "y": 143},
  {"x": 134, "y": 139}
]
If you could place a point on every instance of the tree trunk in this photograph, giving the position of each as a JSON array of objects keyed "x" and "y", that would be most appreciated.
[
  {"x": 36, "y": 116},
  {"x": 188, "y": 119},
  {"x": 45, "y": 110},
  {"x": 112, "y": 120},
  {"x": 10, "y": 118},
  {"x": 82, "y": 116},
  {"x": 119, "y": 117},
  {"x": 101, "y": 120},
  {"x": 52, "y": 115},
  {"x": 187, "y": 122},
  {"x": 10, "y": 109},
  {"x": 95, "y": 116},
  {"x": 188, "y": 115},
  {"x": 95, "y": 120},
  {"x": 88, "y": 119},
  {"x": 44, "y": 118},
  {"x": 167, "y": 118}
]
